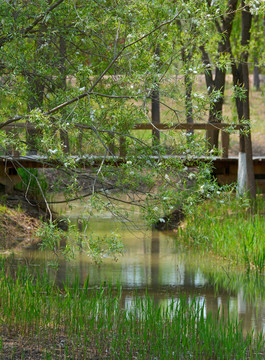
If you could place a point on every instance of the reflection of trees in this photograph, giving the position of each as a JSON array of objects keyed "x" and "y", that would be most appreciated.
[
  {"x": 166, "y": 280},
  {"x": 246, "y": 292},
  {"x": 155, "y": 249},
  {"x": 189, "y": 278}
]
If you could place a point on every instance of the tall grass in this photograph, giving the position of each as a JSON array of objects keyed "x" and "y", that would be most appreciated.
[
  {"x": 227, "y": 227},
  {"x": 78, "y": 322}
]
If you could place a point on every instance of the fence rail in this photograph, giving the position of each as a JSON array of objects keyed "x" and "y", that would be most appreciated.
[{"x": 225, "y": 134}]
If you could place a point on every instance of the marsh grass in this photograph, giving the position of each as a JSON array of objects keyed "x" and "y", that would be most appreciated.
[
  {"x": 227, "y": 227},
  {"x": 78, "y": 322}
]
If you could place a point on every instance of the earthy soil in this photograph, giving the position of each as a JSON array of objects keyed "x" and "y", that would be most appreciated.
[
  {"x": 15, "y": 347},
  {"x": 18, "y": 224}
]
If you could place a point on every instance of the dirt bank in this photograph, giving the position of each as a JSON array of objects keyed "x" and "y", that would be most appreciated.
[{"x": 19, "y": 221}]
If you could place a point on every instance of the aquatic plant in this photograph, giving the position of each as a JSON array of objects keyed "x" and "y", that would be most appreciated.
[
  {"x": 227, "y": 227},
  {"x": 81, "y": 322}
]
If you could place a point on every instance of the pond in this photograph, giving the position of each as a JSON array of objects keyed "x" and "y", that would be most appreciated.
[{"x": 156, "y": 264}]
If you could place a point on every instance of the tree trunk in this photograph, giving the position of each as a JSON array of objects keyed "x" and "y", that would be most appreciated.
[
  {"x": 62, "y": 48},
  {"x": 155, "y": 109},
  {"x": 217, "y": 84},
  {"x": 188, "y": 90},
  {"x": 35, "y": 100},
  {"x": 256, "y": 79},
  {"x": 215, "y": 112},
  {"x": 246, "y": 177}
]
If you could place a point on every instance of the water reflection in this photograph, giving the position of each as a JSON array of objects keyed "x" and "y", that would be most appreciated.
[{"x": 154, "y": 263}]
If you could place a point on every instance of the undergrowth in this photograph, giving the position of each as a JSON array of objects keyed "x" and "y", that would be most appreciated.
[{"x": 228, "y": 227}]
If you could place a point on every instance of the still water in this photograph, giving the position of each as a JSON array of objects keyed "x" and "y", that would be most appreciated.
[{"x": 156, "y": 264}]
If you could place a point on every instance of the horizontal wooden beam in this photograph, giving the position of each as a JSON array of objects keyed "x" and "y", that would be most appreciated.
[
  {"x": 150, "y": 126},
  {"x": 184, "y": 126},
  {"x": 36, "y": 161},
  {"x": 18, "y": 126}
]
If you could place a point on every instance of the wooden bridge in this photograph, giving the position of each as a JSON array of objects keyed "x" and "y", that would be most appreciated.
[{"x": 224, "y": 167}]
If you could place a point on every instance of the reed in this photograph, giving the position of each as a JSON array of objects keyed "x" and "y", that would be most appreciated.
[
  {"x": 80, "y": 322},
  {"x": 227, "y": 227}
]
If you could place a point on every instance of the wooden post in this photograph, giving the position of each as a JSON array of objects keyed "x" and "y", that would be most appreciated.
[
  {"x": 65, "y": 141},
  {"x": 155, "y": 116},
  {"x": 224, "y": 144},
  {"x": 155, "y": 107},
  {"x": 111, "y": 144},
  {"x": 123, "y": 150},
  {"x": 80, "y": 141}
]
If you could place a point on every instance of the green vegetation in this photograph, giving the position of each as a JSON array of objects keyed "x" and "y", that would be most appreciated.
[
  {"x": 79, "y": 322},
  {"x": 227, "y": 227},
  {"x": 66, "y": 244},
  {"x": 81, "y": 75},
  {"x": 32, "y": 182}
]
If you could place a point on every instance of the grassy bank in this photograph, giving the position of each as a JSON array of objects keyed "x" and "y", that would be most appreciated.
[
  {"x": 227, "y": 227},
  {"x": 41, "y": 321}
]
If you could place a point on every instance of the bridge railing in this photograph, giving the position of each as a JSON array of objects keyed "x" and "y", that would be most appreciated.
[
  {"x": 224, "y": 129},
  {"x": 17, "y": 128}
]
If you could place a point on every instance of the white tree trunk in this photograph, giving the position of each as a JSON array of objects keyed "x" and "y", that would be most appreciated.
[{"x": 242, "y": 173}]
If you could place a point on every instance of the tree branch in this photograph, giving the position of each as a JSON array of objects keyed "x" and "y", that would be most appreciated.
[
  {"x": 87, "y": 93},
  {"x": 9, "y": 37},
  {"x": 40, "y": 17}
]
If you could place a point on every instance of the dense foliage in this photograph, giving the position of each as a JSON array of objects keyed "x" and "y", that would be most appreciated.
[{"x": 85, "y": 73}]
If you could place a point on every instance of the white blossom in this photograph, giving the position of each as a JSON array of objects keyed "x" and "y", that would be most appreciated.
[
  {"x": 52, "y": 151},
  {"x": 191, "y": 176}
]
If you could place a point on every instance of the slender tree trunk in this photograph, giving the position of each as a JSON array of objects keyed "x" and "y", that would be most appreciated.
[
  {"x": 246, "y": 177},
  {"x": 215, "y": 112},
  {"x": 155, "y": 109},
  {"x": 217, "y": 84},
  {"x": 62, "y": 48},
  {"x": 256, "y": 79},
  {"x": 35, "y": 100},
  {"x": 186, "y": 59}
]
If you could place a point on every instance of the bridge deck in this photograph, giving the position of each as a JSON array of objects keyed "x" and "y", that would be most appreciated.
[
  {"x": 225, "y": 170},
  {"x": 38, "y": 161}
]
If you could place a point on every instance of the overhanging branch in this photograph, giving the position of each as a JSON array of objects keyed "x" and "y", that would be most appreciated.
[{"x": 88, "y": 92}]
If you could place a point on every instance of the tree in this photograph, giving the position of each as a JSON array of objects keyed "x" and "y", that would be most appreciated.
[
  {"x": 96, "y": 70},
  {"x": 216, "y": 84},
  {"x": 246, "y": 179}
]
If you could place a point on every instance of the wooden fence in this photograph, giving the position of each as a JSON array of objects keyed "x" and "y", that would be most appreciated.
[{"x": 224, "y": 130}]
